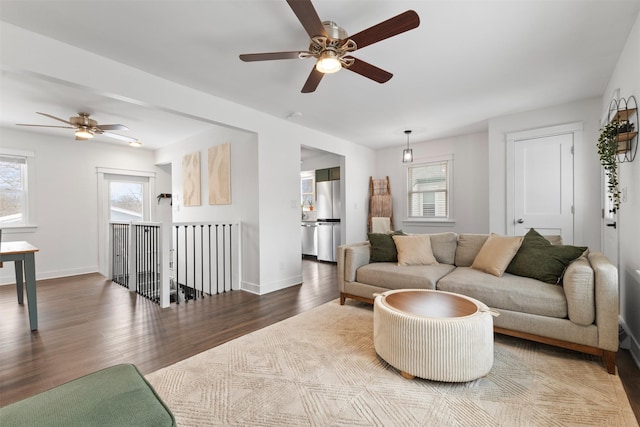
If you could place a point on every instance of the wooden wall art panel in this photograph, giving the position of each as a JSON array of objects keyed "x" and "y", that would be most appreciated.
[
  {"x": 191, "y": 179},
  {"x": 220, "y": 175}
]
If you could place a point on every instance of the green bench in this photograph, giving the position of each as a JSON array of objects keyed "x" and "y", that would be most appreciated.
[{"x": 115, "y": 396}]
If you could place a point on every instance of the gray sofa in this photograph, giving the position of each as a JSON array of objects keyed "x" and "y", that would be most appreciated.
[{"x": 580, "y": 314}]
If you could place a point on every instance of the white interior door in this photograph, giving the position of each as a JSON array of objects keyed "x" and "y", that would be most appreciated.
[{"x": 542, "y": 190}]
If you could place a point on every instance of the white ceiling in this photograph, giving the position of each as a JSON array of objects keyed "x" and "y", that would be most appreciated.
[{"x": 467, "y": 62}]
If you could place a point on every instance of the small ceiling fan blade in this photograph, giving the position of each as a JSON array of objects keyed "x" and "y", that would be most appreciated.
[
  {"x": 120, "y": 137},
  {"x": 113, "y": 127},
  {"x": 45, "y": 126},
  {"x": 391, "y": 27},
  {"x": 308, "y": 17},
  {"x": 369, "y": 71},
  {"x": 55, "y": 118},
  {"x": 250, "y": 57},
  {"x": 312, "y": 81}
]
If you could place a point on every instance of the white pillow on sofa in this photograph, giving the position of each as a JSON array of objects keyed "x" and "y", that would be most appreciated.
[
  {"x": 496, "y": 254},
  {"x": 414, "y": 250}
]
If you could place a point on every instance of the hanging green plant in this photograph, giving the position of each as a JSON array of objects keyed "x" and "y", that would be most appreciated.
[{"x": 607, "y": 150}]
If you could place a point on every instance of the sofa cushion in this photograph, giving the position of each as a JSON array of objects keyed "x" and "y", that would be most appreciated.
[
  {"x": 392, "y": 276},
  {"x": 496, "y": 254},
  {"x": 468, "y": 247},
  {"x": 508, "y": 292},
  {"x": 383, "y": 249},
  {"x": 444, "y": 246},
  {"x": 414, "y": 250},
  {"x": 539, "y": 259},
  {"x": 579, "y": 288}
]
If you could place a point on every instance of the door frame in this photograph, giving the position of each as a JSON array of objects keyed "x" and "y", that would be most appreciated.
[
  {"x": 103, "y": 208},
  {"x": 575, "y": 128}
]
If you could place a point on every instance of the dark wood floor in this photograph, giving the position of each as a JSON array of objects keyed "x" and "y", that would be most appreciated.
[{"x": 88, "y": 323}]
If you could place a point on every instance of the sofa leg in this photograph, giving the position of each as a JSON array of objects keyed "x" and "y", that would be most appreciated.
[
  {"x": 343, "y": 298},
  {"x": 609, "y": 358}
]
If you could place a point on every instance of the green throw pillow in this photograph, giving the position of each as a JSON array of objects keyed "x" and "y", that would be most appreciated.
[
  {"x": 538, "y": 259},
  {"x": 383, "y": 248}
]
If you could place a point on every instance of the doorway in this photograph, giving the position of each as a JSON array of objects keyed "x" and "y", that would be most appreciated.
[
  {"x": 123, "y": 195},
  {"x": 323, "y": 205}
]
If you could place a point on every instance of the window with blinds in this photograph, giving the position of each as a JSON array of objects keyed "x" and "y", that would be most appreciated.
[
  {"x": 13, "y": 189},
  {"x": 428, "y": 195}
]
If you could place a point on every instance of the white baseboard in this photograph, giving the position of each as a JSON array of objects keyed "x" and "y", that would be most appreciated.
[
  {"x": 271, "y": 287},
  {"x": 9, "y": 278},
  {"x": 633, "y": 345}
]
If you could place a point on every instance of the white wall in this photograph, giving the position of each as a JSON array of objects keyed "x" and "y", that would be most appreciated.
[
  {"x": 321, "y": 161},
  {"x": 66, "y": 187},
  {"x": 470, "y": 202},
  {"x": 586, "y": 165},
  {"x": 244, "y": 191},
  {"x": 626, "y": 77},
  {"x": 279, "y": 142}
]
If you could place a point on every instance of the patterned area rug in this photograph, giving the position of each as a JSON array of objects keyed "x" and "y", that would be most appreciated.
[{"x": 320, "y": 369}]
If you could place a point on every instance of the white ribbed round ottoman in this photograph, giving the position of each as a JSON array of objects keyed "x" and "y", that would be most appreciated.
[{"x": 434, "y": 335}]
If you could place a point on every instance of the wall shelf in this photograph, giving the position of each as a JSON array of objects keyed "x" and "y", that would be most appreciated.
[{"x": 625, "y": 111}]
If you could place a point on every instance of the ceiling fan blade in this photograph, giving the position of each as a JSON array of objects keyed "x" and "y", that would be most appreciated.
[
  {"x": 369, "y": 71},
  {"x": 56, "y": 118},
  {"x": 312, "y": 81},
  {"x": 308, "y": 17},
  {"x": 391, "y": 27},
  {"x": 113, "y": 127},
  {"x": 116, "y": 136},
  {"x": 45, "y": 126},
  {"x": 250, "y": 57}
]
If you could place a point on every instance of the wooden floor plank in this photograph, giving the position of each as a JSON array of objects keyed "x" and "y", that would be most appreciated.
[{"x": 88, "y": 323}]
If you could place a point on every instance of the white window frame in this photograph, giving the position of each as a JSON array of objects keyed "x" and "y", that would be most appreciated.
[
  {"x": 104, "y": 175},
  {"x": 449, "y": 219},
  {"x": 29, "y": 213},
  {"x": 147, "y": 197},
  {"x": 304, "y": 176}
]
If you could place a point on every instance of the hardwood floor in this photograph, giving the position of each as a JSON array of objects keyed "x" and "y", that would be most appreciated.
[{"x": 87, "y": 323}]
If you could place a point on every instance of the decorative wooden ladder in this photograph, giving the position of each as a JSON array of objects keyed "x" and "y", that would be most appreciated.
[{"x": 380, "y": 202}]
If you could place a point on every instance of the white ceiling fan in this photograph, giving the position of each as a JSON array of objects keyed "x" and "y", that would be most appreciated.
[{"x": 85, "y": 128}]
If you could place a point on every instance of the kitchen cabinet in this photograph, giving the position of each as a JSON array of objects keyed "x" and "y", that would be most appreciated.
[
  {"x": 329, "y": 174},
  {"x": 309, "y": 239},
  {"x": 334, "y": 174}
]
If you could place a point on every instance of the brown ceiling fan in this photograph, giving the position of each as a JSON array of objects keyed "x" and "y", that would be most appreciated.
[
  {"x": 332, "y": 46},
  {"x": 86, "y": 127}
]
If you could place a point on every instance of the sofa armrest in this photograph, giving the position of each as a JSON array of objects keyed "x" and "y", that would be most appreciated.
[
  {"x": 350, "y": 258},
  {"x": 607, "y": 300},
  {"x": 579, "y": 288}
]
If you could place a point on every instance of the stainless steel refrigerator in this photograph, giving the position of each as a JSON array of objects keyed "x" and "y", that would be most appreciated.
[{"x": 328, "y": 205}]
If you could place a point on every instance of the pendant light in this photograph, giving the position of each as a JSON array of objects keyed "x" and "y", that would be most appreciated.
[{"x": 407, "y": 153}]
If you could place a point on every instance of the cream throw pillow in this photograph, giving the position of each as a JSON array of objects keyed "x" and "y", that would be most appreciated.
[
  {"x": 414, "y": 250},
  {"x": 496, "y": 254}
]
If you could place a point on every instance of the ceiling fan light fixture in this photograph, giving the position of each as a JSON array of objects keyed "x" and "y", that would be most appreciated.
[
  {"x": 328, "y": 63},
  {"x": 135, "y": 144},
  {"x": 84, "y": 133}
]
